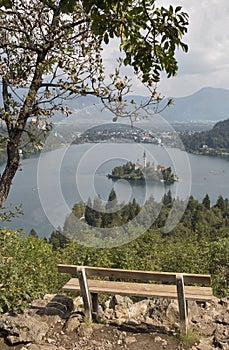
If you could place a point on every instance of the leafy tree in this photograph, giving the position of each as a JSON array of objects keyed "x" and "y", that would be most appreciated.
[
  {"x": 90, "y": 214},
  {"x": 167, "y": 199},
  {"x": 112, "y": 200},
  {"x": 33, "y": 233},
  {"x": 28, "y": 269},
  {"x": 47, "y": 56},
  {"x": 133, "y": 209},
  {"x": 206, "y": 202},
  {"x": 79, "y": 209},
  {"x": 220, "y": 203},
  {"x": 58, "y": 239},
  {"x": 98, "y": 208}
]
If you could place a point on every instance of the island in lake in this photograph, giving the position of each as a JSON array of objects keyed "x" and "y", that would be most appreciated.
[{"x": 143, "y": 171}]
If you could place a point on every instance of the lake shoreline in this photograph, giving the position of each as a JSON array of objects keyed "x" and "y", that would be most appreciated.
[{"x": 80, "y": 172}]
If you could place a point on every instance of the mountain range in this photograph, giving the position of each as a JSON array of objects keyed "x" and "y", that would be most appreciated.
[{"x": 208, "y": 105}]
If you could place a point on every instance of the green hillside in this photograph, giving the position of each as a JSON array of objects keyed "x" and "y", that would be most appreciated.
[{"x": 212, "y": 142}]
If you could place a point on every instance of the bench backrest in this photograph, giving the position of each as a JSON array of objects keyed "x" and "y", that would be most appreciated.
[{"x": 136, "y": 274}]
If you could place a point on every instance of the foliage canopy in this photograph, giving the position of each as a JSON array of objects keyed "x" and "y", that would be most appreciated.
[{"x": 51, "y": 51}]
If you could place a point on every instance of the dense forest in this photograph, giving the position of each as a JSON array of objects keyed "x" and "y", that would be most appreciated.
[
  {"x": 199, "y": 243},
  {"x": 213, "y": 142}
]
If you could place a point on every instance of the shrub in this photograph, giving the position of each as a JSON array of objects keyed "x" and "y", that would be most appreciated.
[{"x": 28, "y": 269}]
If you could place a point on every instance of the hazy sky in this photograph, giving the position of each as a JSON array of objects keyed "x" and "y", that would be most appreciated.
[{"x": 207, "y": 61}]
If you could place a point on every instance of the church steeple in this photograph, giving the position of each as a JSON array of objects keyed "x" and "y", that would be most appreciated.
[{"x": 144, "y": 159}]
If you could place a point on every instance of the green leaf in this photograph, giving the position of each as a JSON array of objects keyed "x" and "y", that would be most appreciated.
[
  {"x": 67, "y": 5},
  {"x": 6, "y": 3},
  {"x": 106, "y": 38},
  {"x": 177, "y": 9}
]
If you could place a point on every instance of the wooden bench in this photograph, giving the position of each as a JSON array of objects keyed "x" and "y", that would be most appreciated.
[{"x": 177, "y": 289}]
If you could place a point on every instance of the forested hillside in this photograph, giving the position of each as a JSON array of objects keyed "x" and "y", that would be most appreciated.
[
  {"x": 214, "y": 141},
  {"x": 198, "y": 244}
]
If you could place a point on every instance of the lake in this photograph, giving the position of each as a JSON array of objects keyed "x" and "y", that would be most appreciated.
[{"x": 49, "y": 186}]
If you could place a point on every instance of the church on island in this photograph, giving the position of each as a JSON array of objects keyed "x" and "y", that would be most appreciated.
[
  {"x": 143, "y": 171},
  {"x": 145, "y": 164},
  {"x": 139, "y": 165}
]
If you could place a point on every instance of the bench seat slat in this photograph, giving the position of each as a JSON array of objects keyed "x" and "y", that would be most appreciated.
[{"x": 140, "y": 289}]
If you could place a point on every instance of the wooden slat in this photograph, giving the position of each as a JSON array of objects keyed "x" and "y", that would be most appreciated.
[
  {"x": 72, "y": 269},
  {"x": 136, "y": 274},
  {"x": 140, "y": 289}
]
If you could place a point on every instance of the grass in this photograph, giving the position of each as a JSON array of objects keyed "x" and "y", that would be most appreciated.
[{"x": 189, "y": 339}]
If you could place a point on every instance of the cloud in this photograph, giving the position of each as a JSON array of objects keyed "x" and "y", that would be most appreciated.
[{"x": 206, "y": 63}]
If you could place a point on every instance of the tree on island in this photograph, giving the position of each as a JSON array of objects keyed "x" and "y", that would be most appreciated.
[
  {"x": 48, "y": 56},
  {"x": 134, "y": 172}
]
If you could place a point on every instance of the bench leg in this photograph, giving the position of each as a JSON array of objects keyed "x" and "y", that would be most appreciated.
[
  {"x": 95, "y": 306},
  {"x": 85, "y": 292},
  {"x": 182, "y": 303}
]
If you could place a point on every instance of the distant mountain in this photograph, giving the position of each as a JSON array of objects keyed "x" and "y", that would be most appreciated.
[
  {"x": 207, "y": 104},
  {"x": 214, "y": 141}
]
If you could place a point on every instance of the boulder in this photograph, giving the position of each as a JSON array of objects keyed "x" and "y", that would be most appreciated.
[
  {"x": 60, "y": 305},
  {"x": 22, "y": 329},
  {"x": 73, "y": 322},
  {"x": 139, "y": 310}
]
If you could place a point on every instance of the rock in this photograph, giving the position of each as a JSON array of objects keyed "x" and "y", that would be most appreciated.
[
  {"x": 139, "y": 309},
  {"x": 133, "y": 322},
  {"x": 124, "y": 302},
  {"x": 221, "y": 336},
  {"x": 42, "y": 347},
  {"x": 51, "y": 320},
  {"x": 100, "y": 311},
  {"x": 204, "y": 344},
  {"x": 39, "y": 329},
  {"x": 149, "y": 321},
  {"x": 172, "y": 312},
  {"x": 163, "y": 342},
  {"x": 122, "y": 335},
  {"x": 121, "y": 312},
  {"x": 60, "y": 305},
  {"x": 52, "y": 305},
  {"x": 157, "y": 310},
  {"x": 23, "y": 329},
  {"x": 130, "y": 340},
  {"x": 222, "y": 318},
  {"x": 78, "y": 301},
  {"x": 123, "y": 308},
  {"x": 108, "y": 314},
  {"x": 225, "y": 303},
  {"x": 73, "y": 322}
]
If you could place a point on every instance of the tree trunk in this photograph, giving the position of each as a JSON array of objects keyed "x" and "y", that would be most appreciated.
[{"x": 9, "y": 172}]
